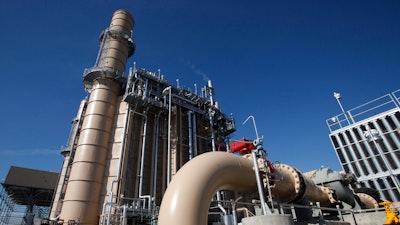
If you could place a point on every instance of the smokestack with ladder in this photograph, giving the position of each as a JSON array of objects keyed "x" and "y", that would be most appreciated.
[{"x": 82, "y": 198}]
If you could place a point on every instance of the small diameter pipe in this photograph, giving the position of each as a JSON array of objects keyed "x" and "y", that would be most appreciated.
[
  {"x": 212, "y": 131},
  {"x": 169, "y": 137},
  {"x": 149, "y": 200},
  {"x": 146, "y": 86},
  {"x": 264, "y": 207},
  {"x": 156, "y": 156},
  {"x": 124, "y": 215},
  {"x": 211, "y": 117},
  {"x": 195, "y": 153},
  {"x": 144, "y": 115},
  {"x": 244, "y": 209},
  {"x": 268, "y": 186},
  {"x": 190, "y": 135},
  {"x": 234, "y": 210},
  {"x": 142, "y": 155},
  {"x": 129, "y": 81},
  {"x": 223, "y": 210}
]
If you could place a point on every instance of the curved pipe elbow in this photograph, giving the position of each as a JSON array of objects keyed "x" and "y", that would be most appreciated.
[{"x": 188, "y": 196}]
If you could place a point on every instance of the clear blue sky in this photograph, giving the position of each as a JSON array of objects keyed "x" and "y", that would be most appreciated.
[{"x": 279, "y": 61}]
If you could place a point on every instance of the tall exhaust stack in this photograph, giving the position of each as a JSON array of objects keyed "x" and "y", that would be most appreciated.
[{"x": 82, "y": 201}]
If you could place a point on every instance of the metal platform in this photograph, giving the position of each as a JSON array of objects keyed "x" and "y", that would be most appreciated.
[{"x": 29, "y": 194}]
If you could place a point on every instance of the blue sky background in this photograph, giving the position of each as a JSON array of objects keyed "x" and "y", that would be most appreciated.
[{"x": 279, "y": 61}]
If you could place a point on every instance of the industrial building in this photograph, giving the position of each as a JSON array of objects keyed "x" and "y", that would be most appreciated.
[
  {"x": 132, "y": 135},
  {"x": 367, "y": 142},
  {"x": 144, "y": 151}
]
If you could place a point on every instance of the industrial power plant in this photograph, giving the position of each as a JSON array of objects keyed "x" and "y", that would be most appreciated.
[{"x": 144, "y": 151}]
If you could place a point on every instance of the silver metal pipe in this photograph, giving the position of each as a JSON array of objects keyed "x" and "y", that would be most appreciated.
[
  {"x": 149, "y": 200},
  {"x": 223, "y": 210},
  {"x": 244, "y": 209},
  {"x": 338, "y": 97},
  {"x": 211, "y": 92},
  {"x": 268, "y": 186},
  {"x": 190, "y": 135},
  {"x": 129, "y": 81},
  {"x": 124, "y": 215},
  {"x": 142, "y": 154},
  {"x": 211, "y": 117},
  {"x": 212, "y": 131},
  {"x": 260, "y": 188},
  {"x": 234, "y": 210},
  {"x": 195, "y": 153},
  {"x": 146, "y": 86},
  {"x": 110, "y": 201},
  {"x": 122, "y": 151},
  {"x": 156, "y": 156},
  {"x": 169, "y": 136}
]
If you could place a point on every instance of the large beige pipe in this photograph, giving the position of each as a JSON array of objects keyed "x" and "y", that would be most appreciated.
[
  {"x": 291, "y": 186},
  {"x": 65, "y": 170},
  {"x": 82, "y": 198},
  {"x": 116, "y": 48},
  {"x": 367, "y": 201},
  {"x": 188, "y": 196}
]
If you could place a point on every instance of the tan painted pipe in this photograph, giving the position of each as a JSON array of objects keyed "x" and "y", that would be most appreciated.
[
  {"x": 291, "y": 186},
  {"x": 81, "y": 202},
  {"x": 116, "y": 47},
  {"x": 65, "y": 171},
  {"x": 188, "y": 196},
  {"x": 367, "y": 201},
  {"x": 82, "y": 198}
]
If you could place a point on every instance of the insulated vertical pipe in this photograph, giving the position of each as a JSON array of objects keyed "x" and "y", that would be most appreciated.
[
  {"x": 143, "y": 152},
  {"x": 211, "y": 117},
  {"x": 190, "y": 134},
  {"x": 156, "y": 156},
  {"x": 169, "y": 135},
  {"x": 82, "y": 198},
  {"x": 211, "y": 113},
  {"x": 195, "y": 153},
  {"x": 265, "y": 209}
]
